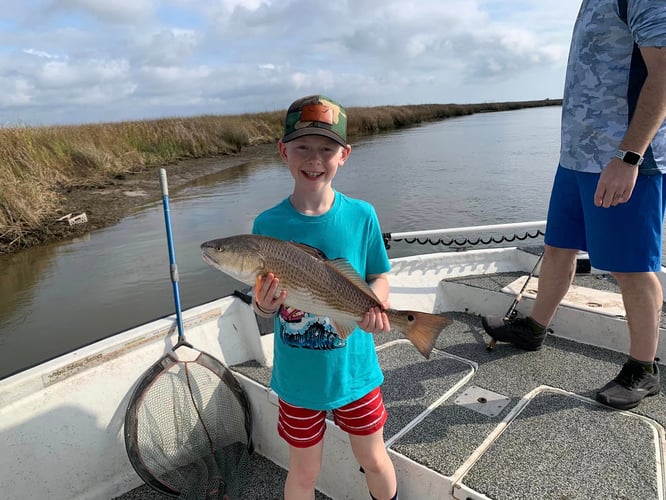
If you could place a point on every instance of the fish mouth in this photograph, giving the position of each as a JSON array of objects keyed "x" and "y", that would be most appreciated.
[
  {"x": 208, "y": 259},
  {"x": 208, "y": 244}
]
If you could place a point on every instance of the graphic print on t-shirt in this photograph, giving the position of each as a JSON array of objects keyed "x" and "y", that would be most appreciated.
[{"x": 309, "y": 331}]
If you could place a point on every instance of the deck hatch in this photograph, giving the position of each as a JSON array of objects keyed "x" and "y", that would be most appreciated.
[
  {"x": 565, "y": 446},
  {"x": 482, "y": 400},
  {"x": 604, "y": 302},
  {"x": 413, "y": 387}
]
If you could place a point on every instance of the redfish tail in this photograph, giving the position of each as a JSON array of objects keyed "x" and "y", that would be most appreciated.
[{"x": 423, "y": 329}]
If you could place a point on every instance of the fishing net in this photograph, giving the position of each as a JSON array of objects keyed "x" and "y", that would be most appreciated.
[{"x": 188, "y": 430}]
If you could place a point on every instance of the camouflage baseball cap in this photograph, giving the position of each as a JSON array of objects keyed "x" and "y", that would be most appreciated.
[{"x": 316, "y": 115}]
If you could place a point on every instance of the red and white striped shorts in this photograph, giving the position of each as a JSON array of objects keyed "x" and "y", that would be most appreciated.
[{"x": 303, "y": 428}]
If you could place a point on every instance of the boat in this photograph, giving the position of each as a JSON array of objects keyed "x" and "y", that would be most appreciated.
[{"x": 468, "y": 423}]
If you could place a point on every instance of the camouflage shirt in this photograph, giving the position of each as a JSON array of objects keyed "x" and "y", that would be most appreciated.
[{"x": 596, "y": 106}]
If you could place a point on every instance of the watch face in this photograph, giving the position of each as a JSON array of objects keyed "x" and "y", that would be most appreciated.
[{"x": 631, "y": 158}]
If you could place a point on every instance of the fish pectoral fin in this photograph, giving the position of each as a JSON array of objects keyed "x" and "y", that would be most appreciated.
[{"x": 344, "y": 328}]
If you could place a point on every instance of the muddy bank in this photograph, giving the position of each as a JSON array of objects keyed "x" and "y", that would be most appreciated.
[{"x": 107, "y": 203}]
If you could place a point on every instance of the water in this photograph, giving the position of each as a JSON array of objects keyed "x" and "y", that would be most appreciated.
[{"x": 481, "y": 169}]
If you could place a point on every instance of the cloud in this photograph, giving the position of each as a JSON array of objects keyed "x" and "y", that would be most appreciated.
[
  {"x": 40, "y": 53},
  {"x": 70, "y": 61},
  {"x": 163, "y": 47},
  {"x": 116, "y": 11}
]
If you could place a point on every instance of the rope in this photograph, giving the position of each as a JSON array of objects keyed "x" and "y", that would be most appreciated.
[{"x": 464, "y": 242}]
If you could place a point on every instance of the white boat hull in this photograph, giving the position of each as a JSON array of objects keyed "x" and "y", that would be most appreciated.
[{"x": 61, "y": 423}]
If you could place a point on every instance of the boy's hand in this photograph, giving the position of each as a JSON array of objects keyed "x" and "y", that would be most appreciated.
[
  {"x": 267, "y": 294},
  {"x": 375, "y": 320}
]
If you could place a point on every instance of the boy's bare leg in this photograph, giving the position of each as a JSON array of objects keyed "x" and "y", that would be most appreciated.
[
  {"x": 371, "y": 454},
  {"x": 643, "y": 298},
  {"x": 304, "y": 467}
]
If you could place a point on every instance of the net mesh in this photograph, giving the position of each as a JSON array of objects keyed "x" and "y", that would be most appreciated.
[{"x": 189, "y": 430}]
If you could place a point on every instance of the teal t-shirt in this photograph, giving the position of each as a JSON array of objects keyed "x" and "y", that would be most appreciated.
[{"x": 313, "y": 367}]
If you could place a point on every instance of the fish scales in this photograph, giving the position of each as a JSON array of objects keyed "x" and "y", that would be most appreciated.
[{"x": 312, "y": 285}]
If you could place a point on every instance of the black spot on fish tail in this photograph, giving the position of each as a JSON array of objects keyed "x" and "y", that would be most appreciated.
[{"x": 423, "y": 329}]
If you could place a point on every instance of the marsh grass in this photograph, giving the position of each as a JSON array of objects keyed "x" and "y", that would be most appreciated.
[{"x": 39, "y": 164}]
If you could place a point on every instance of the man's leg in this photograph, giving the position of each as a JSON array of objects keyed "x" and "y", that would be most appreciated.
[
  {"x": 565, "y": 234},
  {"x": 557, "y": 271},
  {"x": 628, "y": 243},
  {"x": 643, "y": 297}
]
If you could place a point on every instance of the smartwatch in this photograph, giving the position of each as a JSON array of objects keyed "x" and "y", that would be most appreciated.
[{"x": 630, "y": 157}]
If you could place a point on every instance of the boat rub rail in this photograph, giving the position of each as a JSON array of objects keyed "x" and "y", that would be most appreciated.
[{"x": 96, "y": 359}]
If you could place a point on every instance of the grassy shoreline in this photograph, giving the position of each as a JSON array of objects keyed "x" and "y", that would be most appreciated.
[{"x": 41, "y": 164}]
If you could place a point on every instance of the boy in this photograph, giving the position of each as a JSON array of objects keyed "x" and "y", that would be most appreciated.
[{"x": 314, "y": 369}]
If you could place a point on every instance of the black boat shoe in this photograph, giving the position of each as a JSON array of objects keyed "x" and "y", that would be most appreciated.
[
  {"x": 517, "y": 332},
  {"x": 628, "y": 389}
]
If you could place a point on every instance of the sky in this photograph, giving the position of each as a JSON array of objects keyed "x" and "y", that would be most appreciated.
[{"x": 96, "y": 61}]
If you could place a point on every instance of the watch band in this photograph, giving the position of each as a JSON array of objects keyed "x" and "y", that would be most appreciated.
[{"x": 630, "y": 157}]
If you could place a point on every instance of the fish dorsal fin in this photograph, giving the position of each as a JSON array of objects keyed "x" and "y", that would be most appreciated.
[
  {"x": 310, "y": 250},
  {"x": 343, "y": 267}
]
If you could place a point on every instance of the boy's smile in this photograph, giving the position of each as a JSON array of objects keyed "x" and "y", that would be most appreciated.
[{"x": 313, "y": 161}]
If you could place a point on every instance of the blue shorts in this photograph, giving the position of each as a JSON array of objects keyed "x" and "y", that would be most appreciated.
[{"x": 625, "y": 238}]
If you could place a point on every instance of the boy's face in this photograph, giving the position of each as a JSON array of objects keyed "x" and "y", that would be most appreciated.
[{"x": 313, "y": 161}]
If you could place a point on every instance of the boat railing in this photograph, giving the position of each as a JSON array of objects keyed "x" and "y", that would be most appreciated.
[{"x": 456, "y": 237}]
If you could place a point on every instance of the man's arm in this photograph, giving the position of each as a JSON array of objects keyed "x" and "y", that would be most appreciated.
[
  {"x": 651, "y": 107},
  {"x": 617, "y": 180}
]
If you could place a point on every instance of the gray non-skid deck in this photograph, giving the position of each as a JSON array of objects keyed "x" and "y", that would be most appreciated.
[
  {"x": 557, "y": 442},
  {"x": 265, "y": 481},
  {"x": 559, "y": 446}
]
